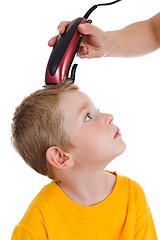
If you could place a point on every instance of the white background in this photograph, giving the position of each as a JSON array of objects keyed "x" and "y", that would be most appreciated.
[{"x": 127, "y": 88}]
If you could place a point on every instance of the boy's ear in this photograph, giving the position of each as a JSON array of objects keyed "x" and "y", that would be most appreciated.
[{"x": 56, "y": 157}]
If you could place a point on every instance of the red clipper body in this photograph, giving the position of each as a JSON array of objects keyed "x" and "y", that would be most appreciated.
[{"x": 63, "y": 54}]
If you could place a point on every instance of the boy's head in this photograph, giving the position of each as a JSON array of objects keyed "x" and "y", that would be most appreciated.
[
  {"x": 38, "y": 125},
  {"x": 59, "y": 127}
]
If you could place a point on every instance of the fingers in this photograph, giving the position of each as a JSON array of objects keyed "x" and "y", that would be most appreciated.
[
  {"x": 52, "y": 41},
  {"x": 61, "y": 29},
  {"x": 62, "y": 26},
  {"x": 82, "y": 51}
]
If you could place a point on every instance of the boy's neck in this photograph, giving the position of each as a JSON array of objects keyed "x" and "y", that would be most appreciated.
[{"x": 90, "y": 190}]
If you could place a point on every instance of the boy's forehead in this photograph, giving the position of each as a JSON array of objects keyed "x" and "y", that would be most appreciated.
[
  {"x": 75, "y": 94},
  {"x": 75, "y": 98}
]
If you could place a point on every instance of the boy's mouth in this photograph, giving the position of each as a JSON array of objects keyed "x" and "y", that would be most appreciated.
[{"x": 117, "y": 133}]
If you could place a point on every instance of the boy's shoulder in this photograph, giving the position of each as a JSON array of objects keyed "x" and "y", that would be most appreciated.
[
  {"x": 126, "y": 185},
  {"x": 46, "y": 194}
]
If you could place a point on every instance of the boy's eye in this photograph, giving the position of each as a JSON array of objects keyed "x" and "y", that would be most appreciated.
[{"x": 88, "y": 117}]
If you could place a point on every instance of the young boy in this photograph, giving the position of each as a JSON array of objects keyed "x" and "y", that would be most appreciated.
[{"x": 60, "y": 133}]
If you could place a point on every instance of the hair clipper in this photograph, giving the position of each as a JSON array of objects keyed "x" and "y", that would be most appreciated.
[{"x": 65, "y": 49}]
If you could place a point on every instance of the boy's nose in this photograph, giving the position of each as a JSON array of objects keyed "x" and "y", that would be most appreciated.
[{"x": 108, "y": 118}]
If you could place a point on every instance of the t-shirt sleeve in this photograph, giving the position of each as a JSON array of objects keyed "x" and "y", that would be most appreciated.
[
  {"x": 21, "y": 234},
  {"x": 144, "y": 226},
  {"x": 31, "y": 227}
]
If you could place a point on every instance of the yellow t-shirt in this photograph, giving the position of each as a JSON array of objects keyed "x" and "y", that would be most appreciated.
[{"x": 52, "y": 215}]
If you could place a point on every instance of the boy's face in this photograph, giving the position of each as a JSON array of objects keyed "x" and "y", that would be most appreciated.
[{"x": 93, "y": 135}]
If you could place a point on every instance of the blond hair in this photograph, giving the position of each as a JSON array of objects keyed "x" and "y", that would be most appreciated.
[{"x": 38, "y": 124}]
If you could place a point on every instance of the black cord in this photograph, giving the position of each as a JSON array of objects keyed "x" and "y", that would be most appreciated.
[
  {"x": 95, "y": 6},
  {"x": 110, "y": 3}
]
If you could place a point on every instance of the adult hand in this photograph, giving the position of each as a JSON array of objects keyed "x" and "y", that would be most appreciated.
[{"x": 94, "y": 43}]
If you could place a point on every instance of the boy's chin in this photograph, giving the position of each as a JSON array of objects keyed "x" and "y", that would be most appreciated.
[{"x": 122, "y": 149}]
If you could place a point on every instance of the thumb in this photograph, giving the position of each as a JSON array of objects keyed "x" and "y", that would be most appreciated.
[{"x": 89, "y": 29}]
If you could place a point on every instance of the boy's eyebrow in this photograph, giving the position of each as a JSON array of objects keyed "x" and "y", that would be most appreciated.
[{"x": 83, "y": 107}]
